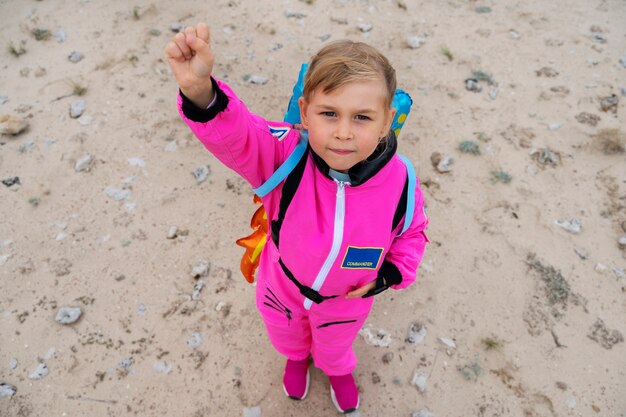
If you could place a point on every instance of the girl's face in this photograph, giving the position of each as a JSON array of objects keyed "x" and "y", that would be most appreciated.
[{"x": 346, "y": 125}]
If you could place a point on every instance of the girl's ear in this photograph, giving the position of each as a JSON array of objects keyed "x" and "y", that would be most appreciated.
[
  {"x": 389, "y": 120},
  {"x": 303, "y": 108}
]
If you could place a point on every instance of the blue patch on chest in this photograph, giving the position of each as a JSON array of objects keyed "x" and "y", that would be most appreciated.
[{"x": 361, "y": 258}]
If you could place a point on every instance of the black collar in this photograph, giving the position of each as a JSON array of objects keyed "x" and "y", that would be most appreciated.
[{"x": 364, "y": 170}]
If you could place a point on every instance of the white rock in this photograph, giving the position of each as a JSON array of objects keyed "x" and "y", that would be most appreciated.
[
  {"x": 75, "y": 56},
  {"x": 171, "y": 146},
  {"x": 445, "y": 165},
  {"x": 570, "y": 403},
  {"x": 416, "y": 333},
  {"x": 554, "y": 126},
  {"x": 201, "y": 173},
  {"x": 85, "y": 120},
  {"x": 449, "y": 343},
  {"x": 40, "y": 372},
  {"x": 573, "y": 225},
  {"x": 60, "y": 35},
  {"x": 493, "y": 92},
  {"x": 68, "y": 315},
  {"x": 622, "y": 242},
  {"x": 422, "y": 413},
  {"x": 197, "y": 289},
  {"x": 4, "y": 258},
  {"x": 375, "y": 337},
  {"x": 514, "y": 34},
  {"x": 26, "y": 146},
  {"x": 252, "y": 412},
  {"x": 50, "y": 353},
  {"x": 172, "y": 232},
  {"x": 141, "y": 309},
  {"x": 13, "y": 363},
  {"x": 126, "y": 363},
  {"x": 258, "y": 80},
  {"x": 136, "y": 162},
  {"x": 117, "y": 194},
  {"x": 201, "y": 269},
  {"x": 77, "y": 108},
  {"x": 12, "y": 125},
  {"x": 162, "y": 367},
  {"x": 83, "y": 163},
  {"x": 177, "y": 27},
  {"x": 622, "y": 61},
  {"x": 3, "y": 99},
  {"x": 420, "y": 381},
  {"x": 365, "y": 27},
  {"x": 7, "y": 390},
  {"x": 415, "y": 42},
  {"x": 619, "y": 272},
  {"x": 195, "y": 340}
]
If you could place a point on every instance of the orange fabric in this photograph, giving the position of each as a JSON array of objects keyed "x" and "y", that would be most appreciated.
[{"x": 254, "y": 242}]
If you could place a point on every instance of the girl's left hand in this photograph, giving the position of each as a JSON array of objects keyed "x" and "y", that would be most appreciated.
[{"x": 361, "y": 291}]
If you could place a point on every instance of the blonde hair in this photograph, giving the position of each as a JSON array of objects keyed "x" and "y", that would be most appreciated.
[{"x": 344, "y": 61}]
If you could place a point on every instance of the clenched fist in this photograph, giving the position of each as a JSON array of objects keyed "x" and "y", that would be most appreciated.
[{"x": 191, "y": 58}]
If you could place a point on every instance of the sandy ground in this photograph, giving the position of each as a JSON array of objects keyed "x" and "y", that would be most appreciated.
[{"x": 536, "y": 312}]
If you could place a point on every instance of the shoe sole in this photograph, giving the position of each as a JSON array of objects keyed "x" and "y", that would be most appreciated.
[
  {"x": 306, "y": 389},
  {"x": 334, "y": 398}
]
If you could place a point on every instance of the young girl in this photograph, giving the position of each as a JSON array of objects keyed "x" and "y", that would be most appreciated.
[{"x": 336, "y": 235}]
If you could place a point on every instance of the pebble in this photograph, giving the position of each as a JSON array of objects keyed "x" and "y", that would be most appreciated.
[
  {"x": 195, "y": 340},
  {"x": 13, "y": 363},
  {"x": 295, "y": 15},
  {"x": 141, "y": 310},
  {"x": 4, "y": 258},
  {"x": 171, "y": 146},
  {"x": 619, "y": 272},
  {"x": 483, "y": 9},
  {"x": 600, "y": 268},
  {"x": 416, "y": 333},
  {"x": 11, "y": 181},
  {"x": 622, "y": 90},
  {"x": 117, "y": 194},
  {"x": 422, "y": 413},
  {"x": 77, "y": 108},
  {"x": 201, "y": 269},
  {"x": 136, "y": 162},
  {"x": 201, "y": 173},
  {"x": 197, "y": 289},
  {"x": 26, "y": 146},
  {"x": 472, "y": 84},
  {"x": 387, "y": 358},
  {"x": 3, "y": 99},
  {"x": 414, "y": 42},
  {"x": 12, "y": 125},
  {"x": 126, "y": 363},
  {"x": 60, "y": 35},
  {"x": 68, "y": 315},
  {"x": 7, "y": 390},
  {"x": 172, "y": 232},
  {"x": 622, "y": 61},
  {"x": 599, "y": 37},
  {"x": 493, "y": 92},
  {"x": 376, "y": 337},
  {"x": 40, "y": 372},
  {"x": 573, "y": 226},
  {"x": 162, "y": 367},
  {"x": 514, "y": 34},
  {"x": 257, "y": 79},
  {"x": 252, "y": 411},
  {"x": 555, "y": 126},
  {"x": 443, "y": 163},
  {"x": 622, "y": 242},
  {"x": 365, "y": 27},
  {"x": 420, "y": 381},
  {"x": 50, "y": 353},
  {"x": 75, "y": 56},
  {"x": 177, "y": 27},
  {"x": 449, "y": 343},
  {"x": 570, "y": 403},
  {"x": 85, "y": 120},
  {"x": 83, "y": 163},
  {"x": 609, "y": 103}
]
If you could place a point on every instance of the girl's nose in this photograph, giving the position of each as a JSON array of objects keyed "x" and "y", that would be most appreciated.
[{"x": 343, "y": 130}]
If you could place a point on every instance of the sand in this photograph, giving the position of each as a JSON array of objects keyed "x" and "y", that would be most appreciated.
[{"x": 535, "y": 312}]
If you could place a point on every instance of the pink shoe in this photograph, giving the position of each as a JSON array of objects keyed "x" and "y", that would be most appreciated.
[
  {"x": 344, "y": 393},
  {"x": 296, "y": 379}
]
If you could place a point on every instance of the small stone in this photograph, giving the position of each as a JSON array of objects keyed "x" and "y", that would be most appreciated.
[
  {"x": 415, "y": 42},
  {"x": 7, "y": 390},
  {"x": 197, "y": 289},
  {"x": 85, "y": 120},
  {"x": 472, "y": 84},
  {"x": 257, "y": 79},
  {"x": 622, "y": 61},
  {"x": 126, "y": 363},
  {"x": 117, "y": 194},
  {"x": 573, "y": 225},
  {"x": 561, "y": 385},
  {"x": 493, "y": 92},
  {"x": 4, "y": 258},
  {"x": 554, "y": 126},
  {"x": 416, "y": 333},
  {"x": 68, "y": 315},
  {"x": 514, "y": 34},
  {"x": 387, "y": 358},
  {"x": 141, "y": 310},
  {"x": 619, "y": 272},
  {"x": 622, "y": 242},
  {"x": 622, "y": 90},
  {"x": 443, "y": 163},
  {"x": 609, "y": 103},
  {"x": 12, "y": 125},
  {"x": 375, "y": 378},
  {"x": 422, "y": 413},
  {"x": 252, "y": 411},
  {"x": 171, "y": 146},
  {"x": 162, "y": 367},
  {"x": 599, "y": 37},
  {"x": 201, "y": 173},
  {"x": 581, "y": 254},
  {"x": 75, "y": 56},
  {"x": 177, "y": 27},
  {"x": 195, "y": 340},
  {"x": 13, "y": 363},
  {"x": 546, "y": 157},
  {"x": 26, "y": 146},
  {"x": 295, "y": 15},
  {"x": 201, "y": 269},
  {"x": 136, "y": 162},
  {"x": 172, "y": 232},
  {"x": 365, "y": 27},
  {"x": 420, "y": 381},
  {"x": 83, "y": 163},
  {"x": 448, "y": 343},
  {"x": 600, "y": 268},
  {"x": 483, "y": 9},
  {"x": 375, "y": 337},
  {"x": 3, "y": 99},
  {"x": 11, "y": 181},
  {"x": 40, "y": 372},
  {"x": 77, "y": 108}
]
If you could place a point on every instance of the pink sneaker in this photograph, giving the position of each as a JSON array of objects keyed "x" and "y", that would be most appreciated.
[
  {"x": 344, "y": 393},
  {"x": 296, "y": 379}
]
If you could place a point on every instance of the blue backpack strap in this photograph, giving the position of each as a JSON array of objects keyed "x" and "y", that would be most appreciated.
[
  {"x": 410, "y": 201},
  {"x": 286, "y": 167}
]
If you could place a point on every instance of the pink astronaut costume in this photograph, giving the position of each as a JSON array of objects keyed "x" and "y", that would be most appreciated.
[{"x": 335, "y": 236}]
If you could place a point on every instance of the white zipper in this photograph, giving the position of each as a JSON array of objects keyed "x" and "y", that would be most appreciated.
[{"x": 340, "y": 212}]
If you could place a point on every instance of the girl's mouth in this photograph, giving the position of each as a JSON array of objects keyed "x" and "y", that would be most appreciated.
[{"x": 341, "y": 151}]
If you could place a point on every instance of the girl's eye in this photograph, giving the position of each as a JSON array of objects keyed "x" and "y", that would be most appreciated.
[
  {"x": 328, "y": 113},
  {"x": 362, "y": 117}
]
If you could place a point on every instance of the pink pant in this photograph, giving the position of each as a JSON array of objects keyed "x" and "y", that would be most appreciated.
[{"x": 298, "y": 333}]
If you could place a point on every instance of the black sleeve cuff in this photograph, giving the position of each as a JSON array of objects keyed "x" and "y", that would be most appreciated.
[
  {"x": 388, "y": 275},
  {"x": 196, "y": 114}
]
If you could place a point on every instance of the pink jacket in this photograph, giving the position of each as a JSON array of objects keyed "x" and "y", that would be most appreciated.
[{"x": 335, "y": 236}]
